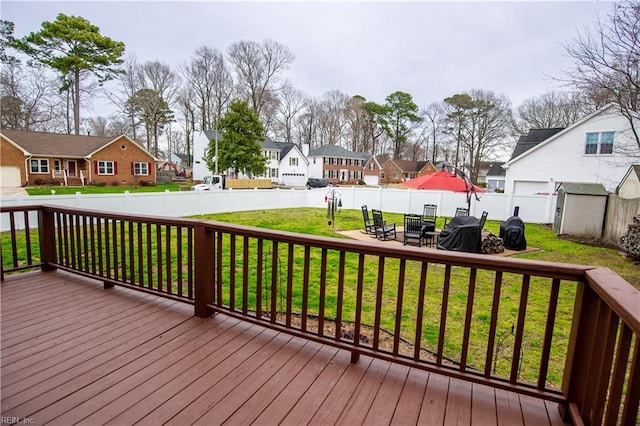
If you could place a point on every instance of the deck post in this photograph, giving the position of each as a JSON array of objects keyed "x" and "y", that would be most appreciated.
[
  {"x": 204, "y": 269},
  {"x": 46, "y": 234},
  {"x": 581, "y": 352}
]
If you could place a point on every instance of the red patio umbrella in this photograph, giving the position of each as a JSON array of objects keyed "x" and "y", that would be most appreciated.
[{"x": 442, "y": 180}]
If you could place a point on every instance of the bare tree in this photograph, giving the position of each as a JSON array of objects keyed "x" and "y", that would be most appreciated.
[
  {"x": 188, "y": 111},
  {"x": 291, "y": 103},
  {"x": 210, "y": 84},
  {"x": 29, "y": 99},
  {"x": 97, "y": 126},
  {"x": 331, "y": 123},
  {"x": 356, "y": 116},
  {"x": 607, "y": 61},
  {"x": 552, "y": 109},
  {"x": 129, "y": 83},
  {"x": 487, "y": 129},
  {"x": 162, "y": 79},
  {"x": 434, "y": 120},
  {"x": 306, "y": 123},
  {"x": 258, "y": 67}
]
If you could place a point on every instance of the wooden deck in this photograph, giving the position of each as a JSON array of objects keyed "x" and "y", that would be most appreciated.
[{"x": 73, "y": 352}]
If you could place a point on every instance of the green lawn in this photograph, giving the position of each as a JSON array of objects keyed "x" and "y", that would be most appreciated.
[
  {"x": 65, "y": 190},
  {"x": 550, "y": 247}
]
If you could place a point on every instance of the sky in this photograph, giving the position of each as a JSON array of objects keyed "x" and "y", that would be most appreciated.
[{"x": 428, "y": 49}]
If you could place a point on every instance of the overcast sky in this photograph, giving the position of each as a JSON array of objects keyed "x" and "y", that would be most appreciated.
[{"x": 429, "y": 49}]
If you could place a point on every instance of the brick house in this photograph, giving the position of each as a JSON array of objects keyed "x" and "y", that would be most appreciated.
[
  {"x": 396, "y": 171},
  {"x": 337, "y": 164},
  {"x": 372, "y": 171},
  {"x": 32, "y": 158}
]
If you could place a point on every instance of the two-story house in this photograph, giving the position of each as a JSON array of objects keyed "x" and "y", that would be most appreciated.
[
  {"x": 286, "y": 164},
  {"x": 600, "y": 148},
  {"x": 337, "y": 164}
]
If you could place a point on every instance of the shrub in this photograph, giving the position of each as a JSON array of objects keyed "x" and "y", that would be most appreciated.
[
  {"x": 98, "y": 183},
  {"x": 115, "y": 183},
  {"x": 147, "y": 183},
  {"x": 39, "y": 182}
]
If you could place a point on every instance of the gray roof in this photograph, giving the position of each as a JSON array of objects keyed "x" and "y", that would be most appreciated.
[
  {"x": 283, "y": 147},
  {"x": 211, "y": 134},
  {"x": 495, "y": 169},
  {"x": 583, "y": 188},
  {"x": 266, "y": 143},
  {"x": 533, "y": 138},
  {"x": 338, "y": 151}
]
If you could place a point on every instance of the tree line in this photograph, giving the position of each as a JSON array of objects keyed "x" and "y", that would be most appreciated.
[{"x": 49, "y": 76}]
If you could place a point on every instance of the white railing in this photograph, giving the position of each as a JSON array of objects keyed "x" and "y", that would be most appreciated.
[{"x": 60, "y": 174}]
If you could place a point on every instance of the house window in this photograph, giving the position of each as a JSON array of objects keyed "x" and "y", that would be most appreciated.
[
  {"x": 56, "y": 165},
  {"x": 372, "y": 166},
  {"x": 39, "y": 165},
  {"x": 274, "y": 173},
  {"x": 599, "y": 143},
  {"x": 326, "y": 174},
  {"x": 140, "y": 169},
  {"x": 106, "y": 167},
  {"x": 293, "y": 161},
  {"x": 275, "y": 155}
]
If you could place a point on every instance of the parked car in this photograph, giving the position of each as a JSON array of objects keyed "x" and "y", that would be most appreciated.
[{"x": 317, "y": 183}]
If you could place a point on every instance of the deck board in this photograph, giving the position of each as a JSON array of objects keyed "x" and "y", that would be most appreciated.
[{"x": 74, "y": 352}]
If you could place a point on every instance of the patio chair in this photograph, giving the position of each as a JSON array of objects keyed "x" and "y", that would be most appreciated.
[
  {"x": 369, "y": 227},
  {"x": 383, "y": 229},
  {"x": 413, "y": 229},
  {"x": 429, "y": 212}
]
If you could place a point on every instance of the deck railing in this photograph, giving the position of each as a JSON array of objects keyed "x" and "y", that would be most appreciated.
[{"x": 565, "y": 333}]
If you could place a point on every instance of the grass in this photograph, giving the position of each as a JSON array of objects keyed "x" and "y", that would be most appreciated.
[
  {"x": 550, "y": 247},
  {"x": 66, "y": 190}
]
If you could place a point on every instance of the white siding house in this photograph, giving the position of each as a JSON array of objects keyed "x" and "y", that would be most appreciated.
[
  {"x": 286, "y": 164},
  {"x": 200, "y": 145},
  {"x": 597, "y": 149}
]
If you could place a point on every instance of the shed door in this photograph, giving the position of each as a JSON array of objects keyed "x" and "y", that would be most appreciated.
[{"x": 557, "y": 220}]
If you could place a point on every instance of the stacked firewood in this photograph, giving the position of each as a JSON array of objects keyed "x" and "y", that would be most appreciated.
[
  {"x": 491, "y": 243},
  {"x": 631, "y": 240}
]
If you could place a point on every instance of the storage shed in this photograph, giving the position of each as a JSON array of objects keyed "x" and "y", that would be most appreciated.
[{"x": 580, "y": 209}]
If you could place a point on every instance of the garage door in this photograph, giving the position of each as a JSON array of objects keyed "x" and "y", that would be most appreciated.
[
  {"x": 522, "y": 187},
  {"x": 10, "y": 176},
  {"x": 293, "y": 179},
  {"x": 371, "y": 180}
]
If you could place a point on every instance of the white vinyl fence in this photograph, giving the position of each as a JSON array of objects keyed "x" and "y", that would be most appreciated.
[{"x": 533, "y": 208}]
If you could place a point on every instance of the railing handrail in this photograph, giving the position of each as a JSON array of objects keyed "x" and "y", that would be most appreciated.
[
  {"x": 605, "y": 304},
  {"x": 525, "y": 266}
]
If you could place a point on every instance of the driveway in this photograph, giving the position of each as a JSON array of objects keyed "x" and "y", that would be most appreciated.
[{"x": 10, "y": 191}]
